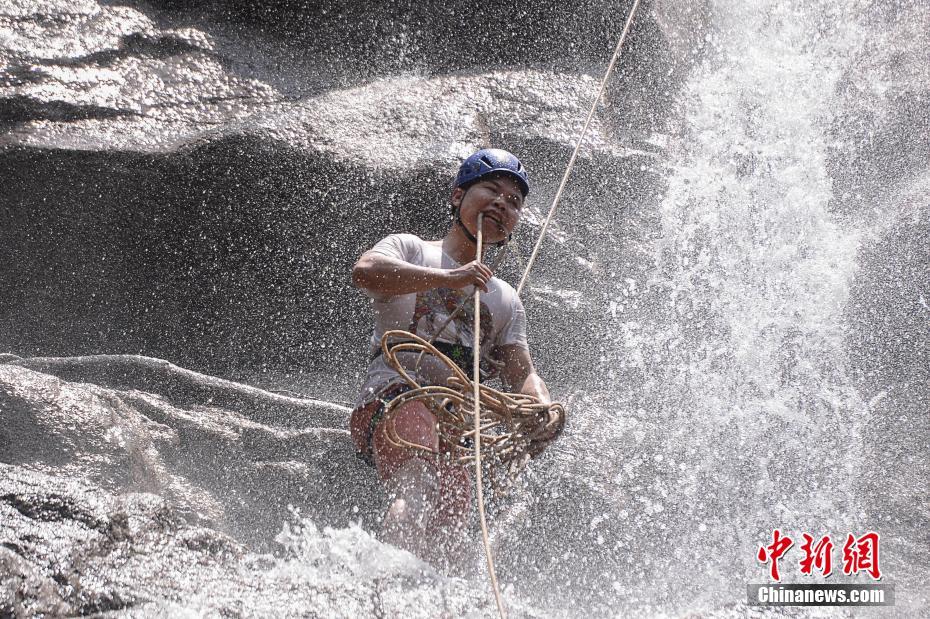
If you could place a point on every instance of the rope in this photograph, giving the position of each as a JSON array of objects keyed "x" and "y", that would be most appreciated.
[
  {"x": 451, "y": 426},
  {"x": 476, "y": 395},
  {"x": 571, "y": 162},
  {"x": 512, "y": 423},
  {"x": 452, "y": 421},
  {"x": 458, "y": 310},
  {"x": 514, "y": 426},
  {"x": 511, "y": 426}
]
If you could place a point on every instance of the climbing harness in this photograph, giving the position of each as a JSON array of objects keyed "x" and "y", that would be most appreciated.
[
  {"x": 381, "y": 404},
  {"x": 457, "y": 353}
]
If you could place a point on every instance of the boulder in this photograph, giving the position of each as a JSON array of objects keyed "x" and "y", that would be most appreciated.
[{"x": 220, "y": 454}]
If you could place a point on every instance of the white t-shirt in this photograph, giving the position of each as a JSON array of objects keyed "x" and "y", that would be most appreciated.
[{"x": 503, "y": 320}]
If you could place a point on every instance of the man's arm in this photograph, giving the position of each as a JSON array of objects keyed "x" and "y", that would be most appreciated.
[
  {"x": 519, "y": 375},
  {"x": 391, "y": 276}
]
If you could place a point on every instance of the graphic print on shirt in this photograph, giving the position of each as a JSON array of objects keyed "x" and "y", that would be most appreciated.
[{"x": 433, "y": 309}]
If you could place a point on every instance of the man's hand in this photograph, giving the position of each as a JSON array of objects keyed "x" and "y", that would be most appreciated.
[
  {"x": 472, "y": 274},
  {"x": 389, "y": 276},
  {"x": 519, "y": 374},
  {"x": 549, "y": 430}
]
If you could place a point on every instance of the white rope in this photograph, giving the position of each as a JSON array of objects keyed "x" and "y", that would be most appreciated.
[
  {"x": 477, "y": 343},
  {"x": 476, "y": 379},
  {"x": 571, "y": 162}
]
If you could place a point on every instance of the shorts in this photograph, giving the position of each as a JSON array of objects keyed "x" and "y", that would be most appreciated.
[{"x": 365, "y": 419}]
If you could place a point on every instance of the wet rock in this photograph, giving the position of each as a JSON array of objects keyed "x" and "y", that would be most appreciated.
[
  {"x": 883, "y": 113},
  {"x": 187, "y": 388},
  {"x": 199, "y": 194},
  {"x": 213, "y": 465},
  {"x": 144, "y": 559},
  {"x": 356, "y": 38},
  {"x": 890, "y": 353},
  {"x": 881, "y": 183},
  {"x": 70, "y": 74},
  {"x": 24, "y": 589},
  {"x": 171, "y": 200}
]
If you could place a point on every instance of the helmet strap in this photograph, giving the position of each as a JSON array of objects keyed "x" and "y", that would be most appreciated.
[
  {"x": 468, "y": 235},
  {"x": 471, "y": 237}
]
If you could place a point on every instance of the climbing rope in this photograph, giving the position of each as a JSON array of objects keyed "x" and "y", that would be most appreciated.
[
  {"x": 571, "y": 162},
  {"x": 461, "y": 306},
  {"x": 476, "y": 437},
  {"x": 511, "y": 427}
]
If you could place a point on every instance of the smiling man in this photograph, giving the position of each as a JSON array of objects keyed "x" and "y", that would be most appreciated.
[{"x": 416, "y": 285}]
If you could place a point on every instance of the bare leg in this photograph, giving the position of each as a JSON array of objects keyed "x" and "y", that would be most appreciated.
[
  {"x": 430, "y": 497},
  {"x": 414, "y": 489}
]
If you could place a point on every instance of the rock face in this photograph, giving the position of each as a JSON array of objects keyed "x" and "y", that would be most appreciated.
[
  {"x": 169, "y": 190},
  {"x": 220, "y": 454},
  {"x": 890, "y": 346},
  {"x": 193, "y": 183},
  {"x": 881, "y": 181},
  {"x": 96, "y": 477},
  {"x": 80, "y": 550},
  {"x": 189, "y": 187},
  {"x": 158, "y": 500},
  {"x": 433, "y": 36}
]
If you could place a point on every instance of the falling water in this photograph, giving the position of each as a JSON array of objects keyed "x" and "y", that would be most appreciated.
[
  {"x": 738, "y": 380},
  {"x": 739, "y": 332},
  {"x": 730, "y": 407}
]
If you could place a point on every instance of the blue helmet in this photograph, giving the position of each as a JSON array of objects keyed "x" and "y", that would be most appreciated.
[{"x": 491, "y": 161}]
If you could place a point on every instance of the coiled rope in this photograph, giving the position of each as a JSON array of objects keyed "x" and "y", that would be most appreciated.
[{"x": 514, "y": 426}]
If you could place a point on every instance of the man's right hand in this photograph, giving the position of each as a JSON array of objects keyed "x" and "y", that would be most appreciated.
[
  {"x": 474, "y": 273},
  {"x": 388, "y": 276}
]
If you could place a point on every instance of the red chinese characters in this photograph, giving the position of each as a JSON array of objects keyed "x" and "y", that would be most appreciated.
[
  {"x": 819, "y": 555},
  {"x": 774, "y": 551},
  {"x": 861, "y": 555}
]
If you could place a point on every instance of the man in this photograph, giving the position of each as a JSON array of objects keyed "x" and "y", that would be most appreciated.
[{"x": 416, "y": 285}]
